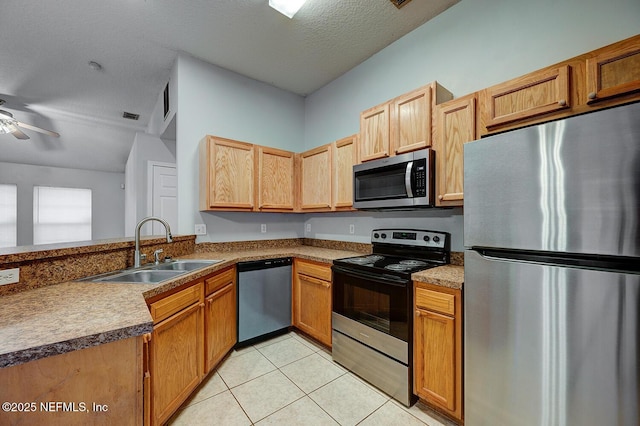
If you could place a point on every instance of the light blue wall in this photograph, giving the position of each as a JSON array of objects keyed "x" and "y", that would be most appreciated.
[
  {"x": 472, "y": 45},
  {"x": 219, "y": 102}
]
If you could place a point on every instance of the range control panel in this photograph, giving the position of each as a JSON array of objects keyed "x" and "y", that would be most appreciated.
[{"x": 411, "y": 237}]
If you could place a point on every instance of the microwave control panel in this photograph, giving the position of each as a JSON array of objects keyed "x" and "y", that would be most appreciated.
[{"x": 420, "y": 179}]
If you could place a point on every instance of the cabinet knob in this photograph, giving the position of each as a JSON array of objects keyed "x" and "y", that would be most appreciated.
[
  {"x": 592, "y": 95},
  {"x": 562, "y": 102},
  {"x": 440, "y": 197},
  {"x": 418, "y": 313}
]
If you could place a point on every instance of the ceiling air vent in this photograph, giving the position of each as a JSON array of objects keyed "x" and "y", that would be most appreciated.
[
  {"x": 399, "y": 3},
  {"x": 130, "y": 115}
]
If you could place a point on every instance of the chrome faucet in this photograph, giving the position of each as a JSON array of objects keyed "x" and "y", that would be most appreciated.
[{"x": 136, "y": 254}]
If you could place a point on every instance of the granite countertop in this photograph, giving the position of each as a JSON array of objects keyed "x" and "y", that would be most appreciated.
[
  {"x": 451, "y": 276},
  {"x": 75, "y": 315}
]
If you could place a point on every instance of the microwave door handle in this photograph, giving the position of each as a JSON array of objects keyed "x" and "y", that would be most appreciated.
[{"x": 407, "y": 179}]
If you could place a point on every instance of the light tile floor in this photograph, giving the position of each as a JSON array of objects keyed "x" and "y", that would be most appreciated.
[{"x": 291, "y": 380}]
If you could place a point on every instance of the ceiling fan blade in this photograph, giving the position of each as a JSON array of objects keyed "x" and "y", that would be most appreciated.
[
  {"x": 19, "y": 134},
  {"x": 37, "y": 129}
]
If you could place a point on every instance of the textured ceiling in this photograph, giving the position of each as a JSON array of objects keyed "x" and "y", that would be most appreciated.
[{"x": 46, "y": 46}]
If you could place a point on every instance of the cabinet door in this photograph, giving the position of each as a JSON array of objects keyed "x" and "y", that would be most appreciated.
[
  {"x": 434, "y": 342},
  {"x": 176, "y": 360},
  {"x": 226, "y": 174},
  {"x": 614, "y": 72},
  {"x": 520, "y": 99},
  {"x": 455, "y": 126},
  {"x": 374, "y": 133},
  {"x": 315, "y": 190},
  {"x": 411, "y": 121},
  {"x": 275, "y": 179},
  {"x": 312, "y": 304},
  {"x": 345, "y": 157},
  {"x": 220, "y": 324},
  {"x": 437, "y": 347}
]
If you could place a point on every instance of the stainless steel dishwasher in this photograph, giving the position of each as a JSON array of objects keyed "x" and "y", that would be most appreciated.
[{"x": 264, "y": 299}]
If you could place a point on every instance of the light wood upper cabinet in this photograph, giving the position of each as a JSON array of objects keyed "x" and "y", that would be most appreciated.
[
  {"x": 275, "y": 179},
  {"x": 532, "y": 95},
  {"x": 220, "y": 317},
  {"x": 411, "y": 121},
  {"x": 614, "y": 71},
  {"x": 312, "y": 299},
  {"x": 438, "y": 347},
  {"x": 374, "y": 133},
  {"x": 315, "y": 174},
  {"x": 455, "y": 126},
  {"x": 226, "y": 174},
  {"x": 345, "y": 156},
  {"x": 400, "y": 125}
]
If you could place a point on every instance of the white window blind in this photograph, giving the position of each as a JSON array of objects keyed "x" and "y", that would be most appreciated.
[
  {"x": 8, "y": 215},
  {"x": 61, "y": 214}
]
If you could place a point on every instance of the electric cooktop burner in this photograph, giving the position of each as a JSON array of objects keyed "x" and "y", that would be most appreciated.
[
  {"x": 364, "y": 259},
  {"x": 401, "y": 252}
]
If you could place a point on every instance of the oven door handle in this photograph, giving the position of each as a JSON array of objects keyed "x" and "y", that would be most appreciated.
[{"x": 382, "y": 279}]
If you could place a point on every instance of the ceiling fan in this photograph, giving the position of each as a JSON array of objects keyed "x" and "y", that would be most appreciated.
[{"x": 8, "y": 124}]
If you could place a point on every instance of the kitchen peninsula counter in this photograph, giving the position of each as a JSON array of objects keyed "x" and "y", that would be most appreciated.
[{"x": 74, "y": 315}]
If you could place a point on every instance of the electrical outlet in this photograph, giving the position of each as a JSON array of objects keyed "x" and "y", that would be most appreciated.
[
  {"x": 200, "y": 229},
  {"x": 9, "y": 276},
  {"x": 352, "y": 229},
  {"x": 308, "y": 227},
  {"x": 263, "y": 228}
]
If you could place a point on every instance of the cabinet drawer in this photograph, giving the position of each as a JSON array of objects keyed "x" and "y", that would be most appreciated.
[
  {"x": 219, "y": 280},
  {"x": 435, "y": 301},
  {"x": 168, "y": 306},
  {"x": 314, "y": 270}
]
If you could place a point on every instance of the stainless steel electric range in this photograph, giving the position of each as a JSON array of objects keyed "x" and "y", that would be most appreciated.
[{"x": 373, "y": 303}]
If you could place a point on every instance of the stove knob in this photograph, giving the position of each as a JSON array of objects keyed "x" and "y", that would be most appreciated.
[
  {"x": 426, "y": 238},
  {"x": 436, "y": 239},
  {"x": 376, "y": 235},
  {"x": 383, "y": 236}
]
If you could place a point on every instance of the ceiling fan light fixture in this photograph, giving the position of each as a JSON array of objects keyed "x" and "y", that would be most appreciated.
[
  {"x": 287, "y": 7},
  {"x": 7, "y": 126}
]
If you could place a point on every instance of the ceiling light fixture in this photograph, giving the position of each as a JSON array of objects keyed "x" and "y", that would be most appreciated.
[
  {"x": 287, "y": 7},
  {"x": 7, "y": 123}
]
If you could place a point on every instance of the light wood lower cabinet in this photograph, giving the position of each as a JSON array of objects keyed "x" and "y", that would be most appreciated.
[
  {"x": 220, "y": 317},
  {"x": 177, "y": 350},
  {"x": 437, "y": 347},
  {"x": 103, "y": 384},
  {"x": 312, "y": 299}
]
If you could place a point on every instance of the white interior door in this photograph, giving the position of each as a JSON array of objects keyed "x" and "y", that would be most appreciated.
[{"x": 164, "y": 195}]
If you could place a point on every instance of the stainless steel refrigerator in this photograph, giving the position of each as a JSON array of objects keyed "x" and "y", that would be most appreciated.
[{"x": 552, "y": 273}]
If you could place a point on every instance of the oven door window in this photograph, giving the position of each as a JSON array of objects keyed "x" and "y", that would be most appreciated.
[{"x": 372, "y": 301}]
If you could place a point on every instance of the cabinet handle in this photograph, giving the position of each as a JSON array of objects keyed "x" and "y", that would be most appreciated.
[
  {"x": 562, "y": 102},
  {"x": 592, "y": 95},
  {"x": 418, "y": 313},
  {"x": 440, "y": 197},
  {"x": 315, "y": 281}
]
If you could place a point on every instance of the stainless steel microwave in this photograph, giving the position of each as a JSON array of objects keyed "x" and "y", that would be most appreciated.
[{"x": 403, "y": 182}]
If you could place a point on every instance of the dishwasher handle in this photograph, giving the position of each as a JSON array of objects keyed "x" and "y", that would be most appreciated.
[{"x": 256, "y": 265}]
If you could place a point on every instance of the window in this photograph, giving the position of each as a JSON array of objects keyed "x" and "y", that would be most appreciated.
[
  {"x": 8, "y": 215},
  {"x": 61, "y": 214}
]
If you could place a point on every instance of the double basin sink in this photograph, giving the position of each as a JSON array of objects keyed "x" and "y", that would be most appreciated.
[{"x": 153, "y": 274}]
